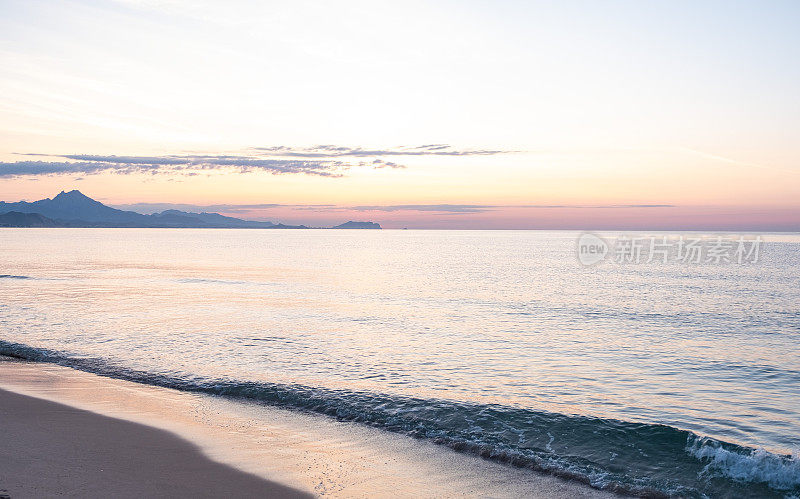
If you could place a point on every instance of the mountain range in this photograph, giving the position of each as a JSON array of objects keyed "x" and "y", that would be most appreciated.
[{"x": 74, "y": 209}]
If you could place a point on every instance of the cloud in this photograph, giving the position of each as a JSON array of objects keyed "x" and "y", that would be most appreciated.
[
  {"x": 25, "y": 168},
  {"x": 331, "y": 151},
  {"x": 379, "y": 163},
  {"x": 148, "y": 208},
  {"x": 442, "y": 208},
  {"x": 321, "y": 160},
  {"x": 736, "y": 162},
  {"x": 87, "y": 164},
  {"x": 431, "y": 208},
  {"x": 481, "y": 208}
]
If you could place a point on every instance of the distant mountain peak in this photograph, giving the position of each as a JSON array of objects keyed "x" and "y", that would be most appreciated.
[{"x": 73, "y": 194}]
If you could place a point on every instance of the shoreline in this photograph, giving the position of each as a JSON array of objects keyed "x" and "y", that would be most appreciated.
[
  {"x": 276, "y": 450},
  {"x": 52, "y": 449}
]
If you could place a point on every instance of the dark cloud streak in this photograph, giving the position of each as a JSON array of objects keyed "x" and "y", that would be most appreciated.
[
  {"x": 330, "y": 151},
  {"x": 434, "y": 208},
  {"x": 321, "y": 160},
  {"x": 186, "y": 165},
  {"x": 481, "y": 208}
]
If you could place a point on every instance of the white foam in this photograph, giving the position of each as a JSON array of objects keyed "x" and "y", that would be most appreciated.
[{"x": 756, "y": 466}]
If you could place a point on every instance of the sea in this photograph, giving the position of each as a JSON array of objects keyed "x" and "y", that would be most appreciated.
[{"x": 654, "y": 377}]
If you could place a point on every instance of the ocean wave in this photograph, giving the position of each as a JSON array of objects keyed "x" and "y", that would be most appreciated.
[
  {"x": 648, "y": 460},
  {"x": 747, "y": 465}
]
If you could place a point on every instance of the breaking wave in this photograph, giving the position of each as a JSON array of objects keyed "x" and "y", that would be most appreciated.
[{"x": 641, "y": 459}]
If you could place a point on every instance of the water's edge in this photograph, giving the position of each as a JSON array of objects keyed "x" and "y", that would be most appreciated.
[{"x": 646, "y": 460}]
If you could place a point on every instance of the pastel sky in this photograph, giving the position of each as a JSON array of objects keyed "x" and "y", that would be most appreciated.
[{"x": 574, "y": 114}]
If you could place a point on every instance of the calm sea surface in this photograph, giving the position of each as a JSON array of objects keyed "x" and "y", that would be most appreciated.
[{"x": 677, "y": 378}]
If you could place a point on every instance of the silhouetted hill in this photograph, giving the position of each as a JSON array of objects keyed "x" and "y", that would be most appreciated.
[
  {"x": 74, "y": 209},
  {"x": 17, "y": 219},
  {"x": 358, "y": 225},
  {"x": 214, "y": 220}
]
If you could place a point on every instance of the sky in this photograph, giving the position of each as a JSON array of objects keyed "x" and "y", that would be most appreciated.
[{"x": 508, "y": 115}]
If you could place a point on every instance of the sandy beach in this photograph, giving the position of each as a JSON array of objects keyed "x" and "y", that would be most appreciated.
[
  {"x": 76, "y": 434},
  {"x": 51, "y": 449}
]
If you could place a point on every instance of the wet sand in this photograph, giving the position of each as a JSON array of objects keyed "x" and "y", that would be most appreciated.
[
  {"x": 68, "y": 424},
  {"x": 50, "y": 449}
]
